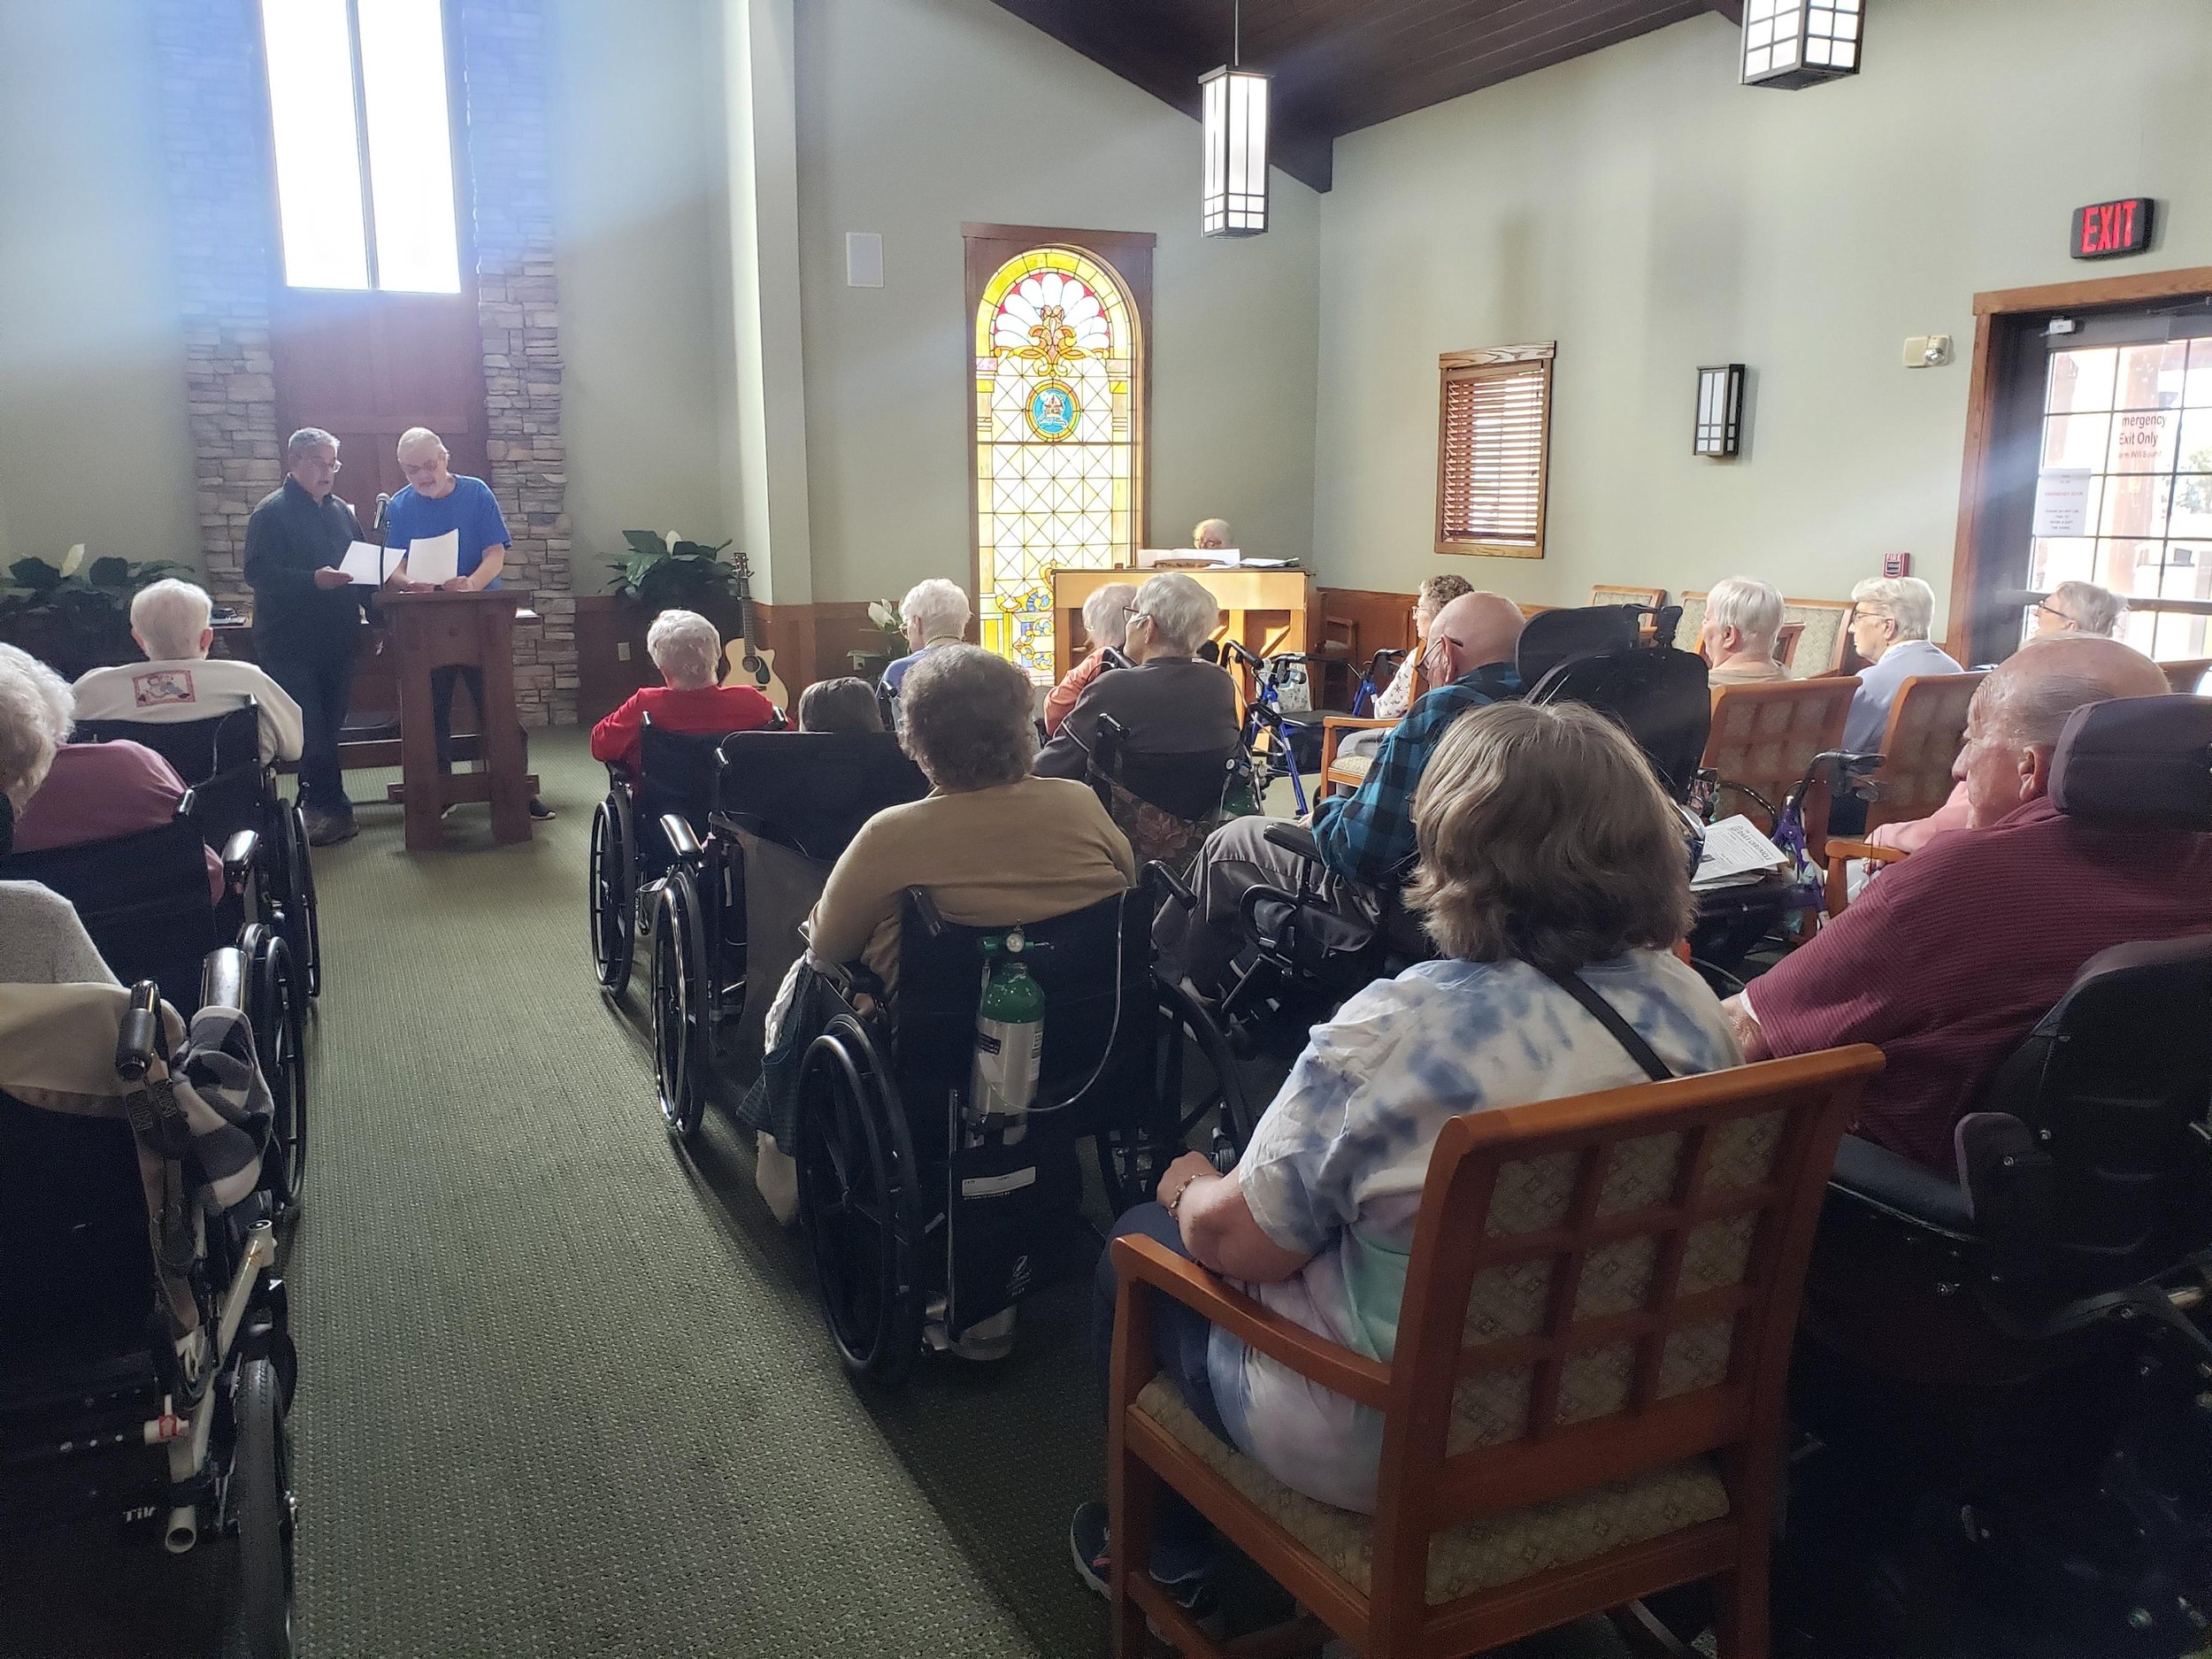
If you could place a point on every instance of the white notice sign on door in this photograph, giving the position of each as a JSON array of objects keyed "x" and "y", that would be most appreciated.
[{"x": 2062, "y": 501}]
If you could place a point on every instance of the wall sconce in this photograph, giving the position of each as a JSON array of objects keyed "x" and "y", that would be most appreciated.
[
  {"x": 1793, "y": 43},
  {"x": 1719, "y": 410}
]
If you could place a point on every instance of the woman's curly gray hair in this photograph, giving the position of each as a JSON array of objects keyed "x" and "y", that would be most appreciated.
[
  {"x": 37, "y": 708},
  {"x": 1545, "y": 837},
  {"x": 964, "y": 717}
]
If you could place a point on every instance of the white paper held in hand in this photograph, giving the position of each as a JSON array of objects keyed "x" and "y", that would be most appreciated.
[
  {"x": 434, "y": 560},
  {"x": 1736, "y": 852},
  {"x": 364, "y": 564}
]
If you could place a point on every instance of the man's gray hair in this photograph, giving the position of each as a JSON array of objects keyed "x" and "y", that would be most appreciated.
[
  {"x": 1210, "y": 526},
  {"x": 417, "y": 438},
  {"x": 2094, "y": 609},
  {"x": 1106, "y": 614},
  {"x": 305, "y": 439},
  {"x": 37, "y": 708},
  {"x": 937, "y": 607},
  {"x": 2030, "y": 703},
  {"x": 169, "y": 617},
  {"x": 964, "y": 717},
  {"x": 1183, "y": 610},
  {"x": 1908, "y": 601},
  {"x": 685, "y": 648},
  {"x": 1752, "y": 607}
]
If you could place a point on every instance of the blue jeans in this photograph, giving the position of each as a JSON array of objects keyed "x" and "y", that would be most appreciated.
[
  {"x": 1182, "y": 1543},
  {"x": 321, "y": 684}
]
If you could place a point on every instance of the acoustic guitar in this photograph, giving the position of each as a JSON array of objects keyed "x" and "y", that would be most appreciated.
[{"x": 744, "y": 661}]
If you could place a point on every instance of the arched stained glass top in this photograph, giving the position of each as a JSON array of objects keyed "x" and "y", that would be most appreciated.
[{"x": 1057, "y": 361}]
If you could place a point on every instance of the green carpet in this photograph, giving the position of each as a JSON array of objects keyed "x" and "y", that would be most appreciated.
[{"x": 564, "y": 1390}]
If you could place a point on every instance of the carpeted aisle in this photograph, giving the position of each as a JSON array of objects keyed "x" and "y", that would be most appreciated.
[{"x": 565, "y": 1391}]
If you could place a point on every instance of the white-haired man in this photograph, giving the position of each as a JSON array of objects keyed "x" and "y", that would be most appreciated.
[
  {"x": 935, "y": 612},
  {"x": 1743, "y": 619},
  {"x": 1890, "y": 619},
  {"x": 306, "y": 619},
  {"x": 180, "y": 681},
  {"x": 1167, "y": 704},
  {"x": 1210, "y": 533},
  {"x": 438, "y": 502}
]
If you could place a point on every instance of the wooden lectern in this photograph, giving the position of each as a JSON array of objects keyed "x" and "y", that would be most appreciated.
[{"x": 469, "y": 630}]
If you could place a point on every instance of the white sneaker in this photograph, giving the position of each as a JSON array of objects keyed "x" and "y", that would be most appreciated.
[{"x": 776, "y": 1172}]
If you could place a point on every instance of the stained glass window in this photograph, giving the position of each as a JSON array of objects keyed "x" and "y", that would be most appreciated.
[{"x": 1058, "y": 469}]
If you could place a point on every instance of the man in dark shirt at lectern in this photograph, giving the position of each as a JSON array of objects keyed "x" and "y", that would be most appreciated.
[{"x": 307, "y": 616}]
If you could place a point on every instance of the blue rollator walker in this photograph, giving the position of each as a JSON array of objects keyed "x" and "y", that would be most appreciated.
[{"x": 1273, "y": 735}]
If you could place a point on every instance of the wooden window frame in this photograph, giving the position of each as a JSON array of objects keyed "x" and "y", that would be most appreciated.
[{"x": 1493, "y": 362}]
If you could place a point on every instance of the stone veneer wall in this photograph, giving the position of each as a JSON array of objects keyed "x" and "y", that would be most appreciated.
[{"x": 222, "y": 202}]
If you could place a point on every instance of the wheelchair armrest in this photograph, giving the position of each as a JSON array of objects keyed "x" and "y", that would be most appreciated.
[
  {"x": 1294, "y": 838},
  {"x": 240, "y": 854},
  {"x": 681, "y": 840},
  {"x": 1249, "y": 908},
  {"x": 1157, "y": 875},
  {"x": 1891, "y": 1181},
  {"x": 223, "y": 978},
  {"x": 139, "y": 1033}
]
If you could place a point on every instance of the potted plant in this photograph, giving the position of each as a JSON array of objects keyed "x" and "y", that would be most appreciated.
[
  {"x": 76, "y": 616},
  {"x": 883, "y": 616},
  {"x": 664, "y": 573}
]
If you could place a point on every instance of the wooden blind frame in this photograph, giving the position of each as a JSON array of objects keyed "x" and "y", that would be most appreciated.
[{"x": 1501, "y": 376}]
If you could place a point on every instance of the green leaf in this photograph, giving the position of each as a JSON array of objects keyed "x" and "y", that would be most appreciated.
[
  {"x": 35, "y": 574},
  {"x": 109, "y": 572}
]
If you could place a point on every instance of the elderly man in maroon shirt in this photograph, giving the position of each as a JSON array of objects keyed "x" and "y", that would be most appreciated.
[{"x": 1950, "y": 957}]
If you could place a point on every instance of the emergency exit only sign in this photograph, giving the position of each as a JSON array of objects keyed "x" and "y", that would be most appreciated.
[{"x": 2104, "y": 230}]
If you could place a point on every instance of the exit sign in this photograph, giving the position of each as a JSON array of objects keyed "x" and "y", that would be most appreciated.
[{"x": 2105, "y": 229}]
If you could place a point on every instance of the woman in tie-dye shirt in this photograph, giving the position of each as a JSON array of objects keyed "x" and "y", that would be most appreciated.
[{"x": 1547, "y": 849}]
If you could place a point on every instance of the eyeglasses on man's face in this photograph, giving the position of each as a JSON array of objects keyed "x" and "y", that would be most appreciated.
[{"x": 2055, "y": 614}]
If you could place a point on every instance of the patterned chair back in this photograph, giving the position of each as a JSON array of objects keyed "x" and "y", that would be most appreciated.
[
  {"x": 1603, "y": 1289},
  {"x": 1763, "y": 737},
  {"x": 1927, "y": 723}
]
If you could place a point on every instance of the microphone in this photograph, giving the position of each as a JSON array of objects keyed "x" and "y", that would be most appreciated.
[{"x": 382, "y": 502}]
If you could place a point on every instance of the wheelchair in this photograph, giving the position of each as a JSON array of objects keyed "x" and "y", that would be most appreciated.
[
  {"x": 2003, "y": 1379},
  {"x": 233, "y": 789},
  {"x": 926, "y": 1221},
  {"x": 629, "y": 852},
  {"x": 805, "y": 793},
  {"x": 143, "y": 900},
  {"x": 146, "y": 1366},
  {"x": 1165, "y": 804}
]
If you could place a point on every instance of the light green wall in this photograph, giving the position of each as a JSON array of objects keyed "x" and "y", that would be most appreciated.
[
  {"x": 1650, "y": 215},
  {"x": 95, "y": 446},
  {"x": 917, "y": 115},
  {"x": 639, "y": 187}
]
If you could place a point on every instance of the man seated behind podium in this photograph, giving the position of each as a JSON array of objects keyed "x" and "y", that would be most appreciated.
[
  {"x": 439, "y": 502},
  {"x": 688, "y": 650},
  {"x": 180, "y": 681},
  {"x": 1949, "y": 960},
  {"x": 1743, "y": 619},
  {"x": 1166, "y": 702},
  {"x": 1363, "y": 839}
]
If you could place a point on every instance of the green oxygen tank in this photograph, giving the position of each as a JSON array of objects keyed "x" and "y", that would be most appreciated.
[{"x": 1009, "y": 1030}]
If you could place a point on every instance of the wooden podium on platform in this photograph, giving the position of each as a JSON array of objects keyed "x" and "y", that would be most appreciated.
[
  {"x": 1266, "y": 611},
  {"x": 467, "y": 630}
]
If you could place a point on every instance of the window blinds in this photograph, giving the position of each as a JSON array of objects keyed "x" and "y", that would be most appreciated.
[{"x": 1492, "y": 434}]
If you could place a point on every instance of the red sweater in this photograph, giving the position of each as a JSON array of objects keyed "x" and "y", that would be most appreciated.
[{"x": 707, "y": 712}]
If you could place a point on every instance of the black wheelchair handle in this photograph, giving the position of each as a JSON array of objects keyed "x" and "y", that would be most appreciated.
[
  {"x": 141, "y": 1028},
  {"x": 1177, "y": 887},
  {"x": 681, "y": 840},
  {"x": 1111, "y": 657},
  {"x": 240, "y": 854},
  {"x": 1294, "y": 838}
]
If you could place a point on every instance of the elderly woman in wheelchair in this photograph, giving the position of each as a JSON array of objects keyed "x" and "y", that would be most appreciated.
[
  {"x": 1552, "y": 876},
  {"x": 145, "y": 1365},
  {"x": 932, "y": 1144}
]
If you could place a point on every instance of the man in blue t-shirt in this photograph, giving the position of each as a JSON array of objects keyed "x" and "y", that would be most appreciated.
[{"x": 435, "y": 503}]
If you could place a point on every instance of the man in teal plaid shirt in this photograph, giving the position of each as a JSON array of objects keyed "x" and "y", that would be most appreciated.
[{"x": 1364, "y": 840}]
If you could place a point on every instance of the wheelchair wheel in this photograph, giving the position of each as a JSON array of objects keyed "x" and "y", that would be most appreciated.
[
  {"x": 276, "y": 1016},
  {"x": 1195, "y": 1074},
  {"x": 261, "y": 1505},
  {"x": 612, "y": 894},
  {"x": 857, "y": 1202},
  {"x": 302, "y": 917},
  {"x": 682, "y": 1044}
]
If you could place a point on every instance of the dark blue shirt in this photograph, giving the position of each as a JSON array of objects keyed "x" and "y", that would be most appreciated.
[
  {"x": 1368, "y": 835},
  {"x": 469, "y": 508}
]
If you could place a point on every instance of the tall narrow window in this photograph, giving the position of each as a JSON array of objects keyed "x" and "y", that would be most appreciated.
[
  {"x": 1058, "y": 448},
  {"x": 358, "y": 105},
  {"x": 1493, "y": 444}
]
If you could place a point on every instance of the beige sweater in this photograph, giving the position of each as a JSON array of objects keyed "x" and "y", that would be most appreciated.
[{"x": 1019, "y": 852}]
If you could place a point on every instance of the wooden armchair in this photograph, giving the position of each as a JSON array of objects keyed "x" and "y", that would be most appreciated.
[
  {"x": 1927, "y": 724},
  {"x": 2184, "y": 674},
  {"x": 1348, "y": 773},
  {"x": 1836, "y": 890},
  {"x": 1764, "y": 735},
  {"x": 1586, "y": 1405}
]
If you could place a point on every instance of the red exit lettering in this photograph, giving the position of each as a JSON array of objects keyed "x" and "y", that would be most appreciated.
[{"x": 2105, "y": 228}]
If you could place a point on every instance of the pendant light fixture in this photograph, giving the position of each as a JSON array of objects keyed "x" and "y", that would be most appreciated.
[
  {"x": 1793, "y": 43},
  {"x": 1234, "y": 118}
]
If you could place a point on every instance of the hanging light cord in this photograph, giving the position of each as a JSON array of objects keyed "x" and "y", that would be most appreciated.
[{"x": 1236, "y": 34}]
